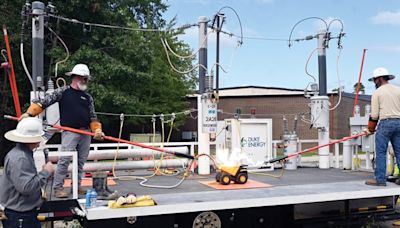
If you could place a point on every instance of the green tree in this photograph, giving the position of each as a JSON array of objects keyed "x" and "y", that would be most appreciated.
[
  {"x": 130, "y": 70},
  {"x": 361, "y": 89}
]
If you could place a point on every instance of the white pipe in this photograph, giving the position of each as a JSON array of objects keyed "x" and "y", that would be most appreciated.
[
  {"x": 129, "y": 165},
  {"x": 337, "y": 159},
  {"x": 347, "y": 155},
  {"x": 127, "y": 153},
  {"x": 368, "y": 161},
  {"x": 204, "y": 143}
]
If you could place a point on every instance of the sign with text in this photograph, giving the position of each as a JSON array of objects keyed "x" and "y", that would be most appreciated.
[{"x": 210, "y": 118}]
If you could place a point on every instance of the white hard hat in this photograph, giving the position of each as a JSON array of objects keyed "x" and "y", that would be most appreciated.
[
  {"x": 79, "y": 69},
  {"x": 29, "y": 130},
  {"x": 380, "y": 72}
]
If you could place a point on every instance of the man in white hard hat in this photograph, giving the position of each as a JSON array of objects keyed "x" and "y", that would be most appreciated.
[
  {"x": 20, "y": 184},
  {"x": 385, "y": 108},
  {"x": 76, "y": 111}
]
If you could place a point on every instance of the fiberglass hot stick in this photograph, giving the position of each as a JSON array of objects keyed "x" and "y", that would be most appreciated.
[
  {"x": 110, "y": 138},
  {"x": 316, "y": 147}
]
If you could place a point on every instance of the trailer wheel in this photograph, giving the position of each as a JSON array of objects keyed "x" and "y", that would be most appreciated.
[
  {"x": 225, "y": 179},
  {"x": 207, "y": 219},
  {"x": 241, "y": 178}
]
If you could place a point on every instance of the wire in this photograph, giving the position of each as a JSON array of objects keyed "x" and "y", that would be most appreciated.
[
  {"x": 240, "y": 22},
  {"x": 231, "y": 58},
  {"x": 121, "y": 125},
  {"x": 271, "y": 175},
  {"x": 65, "y": 46},
  {"x": 188, "y": 56},
  {"x": 272, "y": 114},
  {"x": 306, "y": 66},
  {"x": 338, "y": 78},
  {"x": 177, "y": 55},
  {"x": 157, "y": 166},
  {"x": 21, "y": 49},
  {"x": 75, "y": 21},
  {"x": 4, "y": 55},
  {"x": 186, "y": 112},
  {"x": 308, "y": 18},
  {"x": 220, "y": 66},
  {"x": 338, "y": 20},
  {"x": 174, "y": 68},
  {"x": 264, "y": 38},
  {"x": 60, "y": 79}
]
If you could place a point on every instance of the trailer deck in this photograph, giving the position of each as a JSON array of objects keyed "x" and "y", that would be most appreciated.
[{"x": 301, "y": 194}]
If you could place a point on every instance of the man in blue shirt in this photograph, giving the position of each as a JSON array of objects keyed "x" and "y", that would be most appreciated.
[
  {"x": 20, "y": 191},
  {"x": 76, "y": 111}
]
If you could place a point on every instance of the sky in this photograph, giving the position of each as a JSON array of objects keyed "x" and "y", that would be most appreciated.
[{"x": 369, "y": 24}]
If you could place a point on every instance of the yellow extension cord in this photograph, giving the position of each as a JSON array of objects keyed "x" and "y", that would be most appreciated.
[{"x": 156, "y": 165}]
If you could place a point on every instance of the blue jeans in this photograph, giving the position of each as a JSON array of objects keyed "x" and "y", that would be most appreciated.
[
  {"x": 17, "y": 219},
  {"x": 388, "y": 130}
]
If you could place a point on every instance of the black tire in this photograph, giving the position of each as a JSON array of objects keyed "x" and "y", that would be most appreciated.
[
  {"x": 218, "y": 176},
  {"x": 241, "y": 178},
  {"x": 225, "y": 179}
]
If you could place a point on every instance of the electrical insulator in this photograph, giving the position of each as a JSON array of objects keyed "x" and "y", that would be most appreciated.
[
  {"x": 314, "y": 87},
  {"x": 253, "y": 112},
  {"x": 285, "y": 126},
  {"x": 238, "y": 112},
  {"x": 209, "y": 82}
]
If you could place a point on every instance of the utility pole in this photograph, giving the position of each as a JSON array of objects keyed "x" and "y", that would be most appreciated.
[
  {"x": 321, "y": 103},
  {"x": 203, "y": 138},
  {"x": 219, "y": 27},
  {"x": 322, "y": 36},
  {"x": 37, "y": 44}
]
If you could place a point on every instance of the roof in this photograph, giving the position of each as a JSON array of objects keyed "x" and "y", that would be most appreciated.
[
  {"x": 248, "y": 91},
  {"x": 257, "y": 91},
  {"x": 362, "y": 97}
]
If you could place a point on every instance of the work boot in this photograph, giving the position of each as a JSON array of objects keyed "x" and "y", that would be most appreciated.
[
  {"x": 81, "y": 191},
  {"x": 373, "y": 182},
  {"x": 58, "y": 193}
]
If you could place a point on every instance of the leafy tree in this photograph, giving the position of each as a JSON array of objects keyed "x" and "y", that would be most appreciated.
[
  {"x": 361, "y": 89},
  {"x": 130, "y": 70}
]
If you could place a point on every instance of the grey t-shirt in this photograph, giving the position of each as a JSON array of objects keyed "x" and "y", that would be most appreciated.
[{"x": 20, "y": 183}]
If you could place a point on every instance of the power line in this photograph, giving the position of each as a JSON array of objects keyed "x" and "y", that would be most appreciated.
[
  {"x": 240, "y": 22},
  {"x": 259, "y": 37},
  {"x": 75, "y": 21},
  {"x": 186, "y": 112},
  {"x": 308, "y": 18}
]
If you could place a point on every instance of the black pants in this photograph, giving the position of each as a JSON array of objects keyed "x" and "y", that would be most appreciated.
[{"x": 17, "y": 219}]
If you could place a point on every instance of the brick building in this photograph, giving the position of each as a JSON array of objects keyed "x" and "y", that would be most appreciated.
[{"x": 272, "y": 102}]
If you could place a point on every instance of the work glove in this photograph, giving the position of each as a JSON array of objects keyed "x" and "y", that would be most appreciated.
[
  {"x": 131, "y": 199},
  {"x": 121, "y": 200},
  {"x": 33, "y": 110},
  {"x": 25, "y": 115},
  {"x": 368, "y": 132},
  {"x": 371, "y": 126},
  {"x": 95, "y": 126},
  {"x": 98, "y": 135}
]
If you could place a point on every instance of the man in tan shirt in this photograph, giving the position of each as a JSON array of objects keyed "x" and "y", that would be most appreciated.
[{"x": 385, "y": 108}]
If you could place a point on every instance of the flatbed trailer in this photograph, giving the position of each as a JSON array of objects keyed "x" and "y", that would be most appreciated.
[{"x": 307, "y": 197}]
